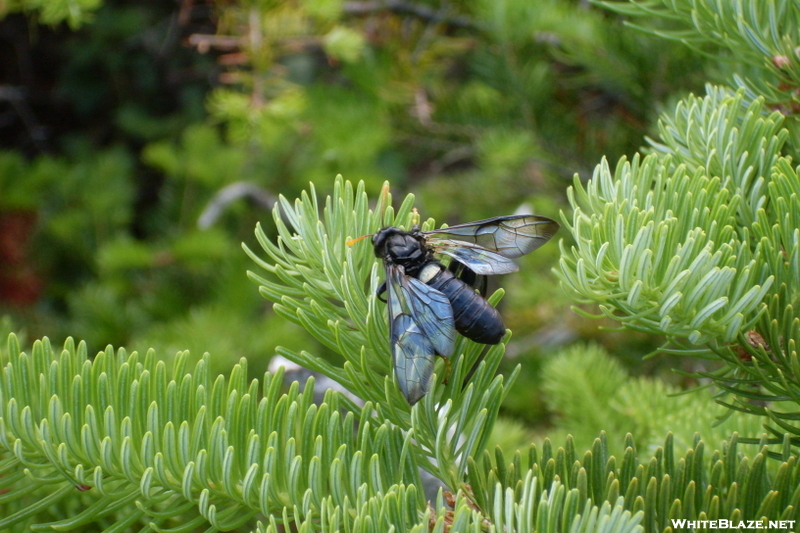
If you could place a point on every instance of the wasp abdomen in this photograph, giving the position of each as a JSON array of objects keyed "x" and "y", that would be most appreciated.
[{"x": 474, "y": 317}]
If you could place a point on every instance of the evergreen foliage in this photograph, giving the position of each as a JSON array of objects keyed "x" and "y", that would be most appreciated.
[
  {"x": 698, "y": 240},
  {"x": 122, "y": 441},
  {"x": 761, "y": 36}
]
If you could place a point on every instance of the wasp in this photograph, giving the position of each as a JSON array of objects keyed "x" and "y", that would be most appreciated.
[{"x": 429, "y": 302}]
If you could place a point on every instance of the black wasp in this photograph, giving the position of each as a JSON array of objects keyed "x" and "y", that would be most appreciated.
[{"x": 429, "y": 302}]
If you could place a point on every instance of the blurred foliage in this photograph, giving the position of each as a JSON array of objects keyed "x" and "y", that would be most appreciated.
[
  {"x": 478, "y": 105},
  {"x": 591, "y": 392},
  {"x": 73, "y": 12}
]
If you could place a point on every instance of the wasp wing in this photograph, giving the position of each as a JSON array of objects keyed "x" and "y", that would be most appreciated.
[
  {"x": 510, "y": 236},
  {"x": 421, "y": 325},
  {"x": 480, "y": 260}
]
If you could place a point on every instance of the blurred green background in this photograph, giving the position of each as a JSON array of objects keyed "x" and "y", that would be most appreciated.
[{"x": 142, "y": 140}]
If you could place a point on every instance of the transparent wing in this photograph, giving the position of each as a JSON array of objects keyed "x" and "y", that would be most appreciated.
[
  {"x": 480, "y": 260},
  {"x": 421, "y": 325},
  {"x": 510, "y": 236}
]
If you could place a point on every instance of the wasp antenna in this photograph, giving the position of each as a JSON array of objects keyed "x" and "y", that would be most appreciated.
[{"x": 351, "y": 242}]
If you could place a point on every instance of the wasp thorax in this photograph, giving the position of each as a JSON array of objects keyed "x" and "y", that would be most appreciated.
[
  {"x": 405, "y": 247},
  {"x": 399, "y": 246}
]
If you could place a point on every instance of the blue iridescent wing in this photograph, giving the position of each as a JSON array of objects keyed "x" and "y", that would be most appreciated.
[
  {"x": 421, "y": 325},
  {"x": 480, "y": 260},
  {"x": 510, "y": 236}
]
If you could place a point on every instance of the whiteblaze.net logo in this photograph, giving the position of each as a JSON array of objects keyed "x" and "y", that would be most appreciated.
[{"x": 774, "y": 525}]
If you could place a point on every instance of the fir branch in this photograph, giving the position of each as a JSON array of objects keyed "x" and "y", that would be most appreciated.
[
  {"x": 330, "y": 289},
  {"x": 762, "y": 36},
  {"x": 183, "y": 450},
  {"x": 657, "y": 250},
  {"x": 699, "y": 242},
  {"x": 217, "y": 450}
]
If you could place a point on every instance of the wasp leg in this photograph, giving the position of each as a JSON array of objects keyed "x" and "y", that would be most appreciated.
[
  {"x": 457, "y": 268},
  {"x": 381, "y": 290},
  {"x": 481, "y": 284}
]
